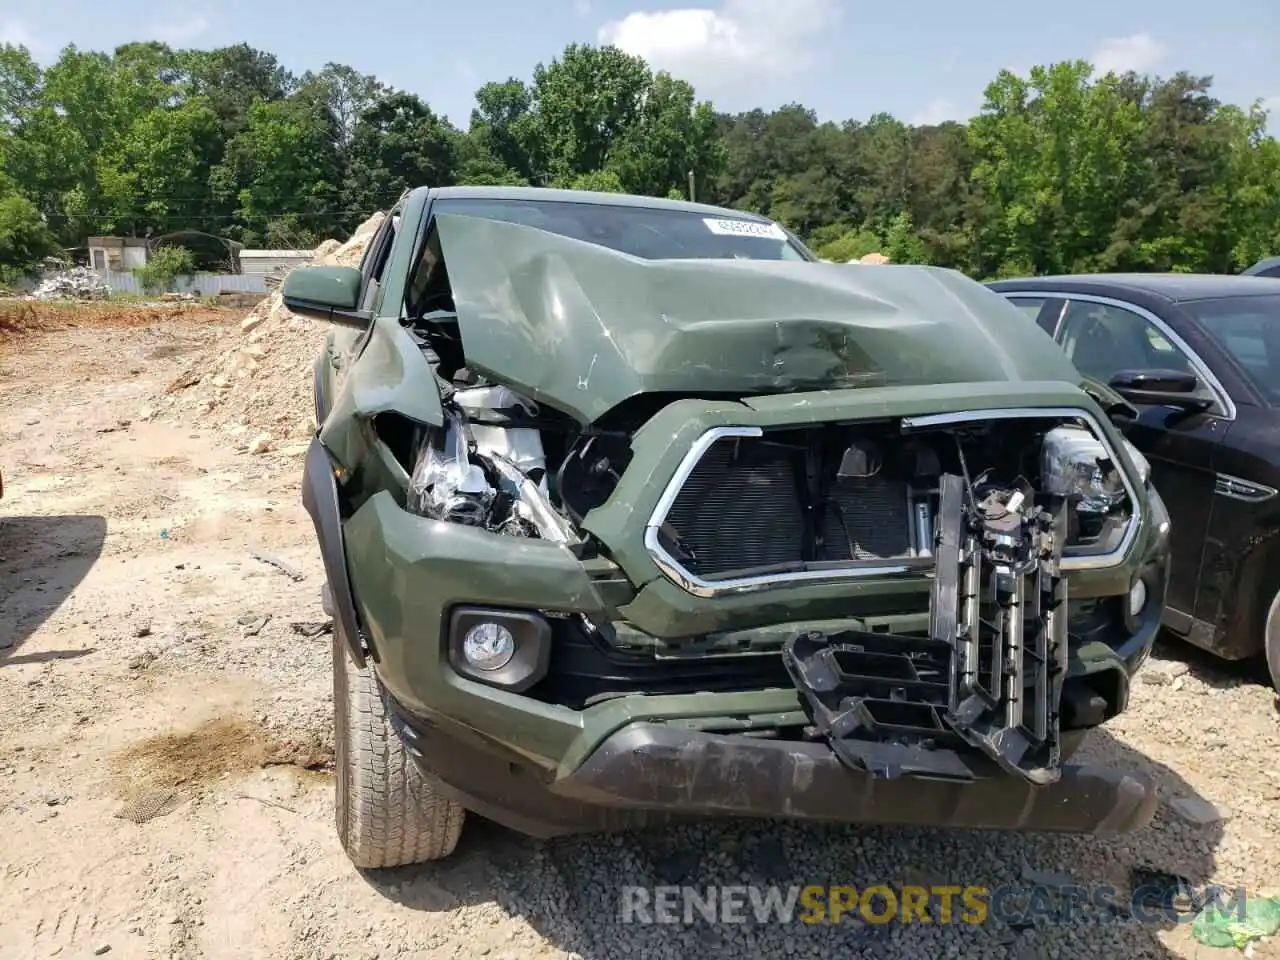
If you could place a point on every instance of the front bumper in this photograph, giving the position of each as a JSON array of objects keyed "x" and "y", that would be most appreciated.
[
  {"x": 647, "y": 773},
  {"x": 408, "y": 574}
]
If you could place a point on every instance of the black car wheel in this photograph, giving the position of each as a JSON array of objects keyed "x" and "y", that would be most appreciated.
[{"x": 1273, "y": 641}]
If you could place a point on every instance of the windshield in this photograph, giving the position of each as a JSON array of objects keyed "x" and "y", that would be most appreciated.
[
  {"x": 646, "y": 232},
  {"x": 1248, "y": 328}
]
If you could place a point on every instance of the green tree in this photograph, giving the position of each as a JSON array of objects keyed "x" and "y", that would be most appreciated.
[
  {"x": 584, "y": 103},
  {"x": 504, "y": 130},
  {"x": 850, "y": 246},
  {"x": 231, "y": 78},
  {"x": 164, "y": 265},
  {"x": 346, "y": 93},
  {"x": 901, "y": 242},
  {"x": 25, "y": 239},
  {"x": 1056, "y": 159},
  {"x": 601, "y": 181},
  {"x": 672, "y": 135},
  {"x": 284, "y": 174},
  {"x": 399, "y": 143},
  {"x": 155, "y": 177}
]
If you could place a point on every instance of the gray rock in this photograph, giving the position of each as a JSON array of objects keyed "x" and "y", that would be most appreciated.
[{"x": 1197, "y": 810}]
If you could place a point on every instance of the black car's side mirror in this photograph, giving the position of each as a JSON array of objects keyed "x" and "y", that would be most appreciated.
[{"x": 1161, "y": 388}]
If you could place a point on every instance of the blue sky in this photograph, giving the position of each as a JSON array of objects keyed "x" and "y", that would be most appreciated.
[{"x": 924, "y": 61}]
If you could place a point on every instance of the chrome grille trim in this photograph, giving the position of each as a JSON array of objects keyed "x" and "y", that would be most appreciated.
[{"x": 873, "y": 569}]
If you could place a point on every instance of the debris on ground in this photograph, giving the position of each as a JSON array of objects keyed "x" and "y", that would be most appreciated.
[
  {"x": 252, "y": 625},
  {"x": 312, "y": 628},
  {"x": 1237, "y": 924},
  {"x": 293, "y": 573},
  {"x": 79, "y": 283},
  {"x": 1197, "y": 810},
  {"x": 1163, "y": 672}
]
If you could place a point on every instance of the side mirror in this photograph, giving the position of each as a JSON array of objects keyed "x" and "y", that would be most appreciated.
[
  {"x": 326, "y": 293},
  {"x": 1161, "y": 388}
]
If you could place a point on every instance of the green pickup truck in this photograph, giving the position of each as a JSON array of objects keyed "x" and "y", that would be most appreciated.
[{"x": 631, "y": 509}]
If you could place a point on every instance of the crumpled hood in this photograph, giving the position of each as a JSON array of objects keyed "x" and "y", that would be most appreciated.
[{"x": 582, "y": 327}]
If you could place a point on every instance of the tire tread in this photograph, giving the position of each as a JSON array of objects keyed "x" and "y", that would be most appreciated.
[{"x": 388, "y": 815}]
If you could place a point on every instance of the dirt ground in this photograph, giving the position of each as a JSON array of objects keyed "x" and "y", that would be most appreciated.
[{"x": 165, "y": 748}]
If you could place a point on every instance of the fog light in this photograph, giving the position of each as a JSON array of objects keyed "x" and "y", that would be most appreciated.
[
  {"x": 1137, "y": 598},
  {"x": 488, "y": 646}
]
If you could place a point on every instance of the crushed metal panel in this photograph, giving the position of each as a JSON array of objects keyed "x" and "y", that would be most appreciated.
[
  {"x": 581, "y": 327},
  {"x": 984, "y": 686}
]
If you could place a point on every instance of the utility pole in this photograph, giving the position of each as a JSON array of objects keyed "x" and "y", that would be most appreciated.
[{"x": 691, "y": 196}]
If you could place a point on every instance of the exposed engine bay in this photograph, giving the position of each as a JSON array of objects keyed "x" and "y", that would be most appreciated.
[{"x": 791, "y": 499}]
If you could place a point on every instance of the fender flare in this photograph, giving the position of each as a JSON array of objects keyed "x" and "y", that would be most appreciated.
[
  {"x": 317, "y": 380},
  {"x": 320, "y": 499}
]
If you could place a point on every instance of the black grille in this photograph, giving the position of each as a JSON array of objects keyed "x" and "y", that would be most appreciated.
[
  {"x": 585, "y": 669},
  {"x": 867, "y": 520},
  {"x": 743, "y": 508},
  {"x": 740, "y": 508}
]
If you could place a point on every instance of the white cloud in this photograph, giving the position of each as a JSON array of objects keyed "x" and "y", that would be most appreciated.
[
  {"x": 936, "y": 112},
  {"x": 742, "y": 41},
  {"x": 17, "y": 33},
  {"x": 1139, "y": 52},
  {"x": 178, "y": 32}
]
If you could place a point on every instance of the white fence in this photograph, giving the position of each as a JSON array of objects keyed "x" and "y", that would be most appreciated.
[{"x": 205, "y": 284}]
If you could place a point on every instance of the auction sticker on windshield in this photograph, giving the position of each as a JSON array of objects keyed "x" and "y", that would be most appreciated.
[{"x": 744, "y": 228}]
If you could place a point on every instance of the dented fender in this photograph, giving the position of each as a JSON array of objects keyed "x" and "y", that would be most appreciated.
[
  {"x": 320, "y": 499},
  {"x": 390, "y": 375}
]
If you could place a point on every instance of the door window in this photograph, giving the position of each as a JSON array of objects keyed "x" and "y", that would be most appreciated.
[
  {"x": 1030, "y": 306},
  {"x": 1102, "y": 339},
  {"x": 375, "y": 260}
]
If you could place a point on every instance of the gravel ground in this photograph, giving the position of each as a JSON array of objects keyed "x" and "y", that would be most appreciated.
[{"x": 164, "y": 762}]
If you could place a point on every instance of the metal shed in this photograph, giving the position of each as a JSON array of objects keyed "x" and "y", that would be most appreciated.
[{"x": 265, "y": 263}]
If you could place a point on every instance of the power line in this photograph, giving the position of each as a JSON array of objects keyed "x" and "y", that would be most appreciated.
[{"x": 187, "y": 218}]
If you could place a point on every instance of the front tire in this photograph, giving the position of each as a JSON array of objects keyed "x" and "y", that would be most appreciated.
[
  {"x": 1272, "y": 641},
  {"x": 387, "y": 814}
]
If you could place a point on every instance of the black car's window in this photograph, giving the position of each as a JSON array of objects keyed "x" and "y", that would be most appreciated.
[
  {"x": 1103, "y": 339},
  {"x": 1030, "y": 306},
  {"x": 653, "y": 234},
  {"x": 1248, "y": 328}
]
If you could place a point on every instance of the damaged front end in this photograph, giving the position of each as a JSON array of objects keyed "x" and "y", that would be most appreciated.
[{"x": 858, "y": 543}]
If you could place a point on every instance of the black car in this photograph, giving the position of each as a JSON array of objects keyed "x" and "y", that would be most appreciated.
[
  {"x": 1197, "y": 358},
  {"x": 1270, "y": 267}
]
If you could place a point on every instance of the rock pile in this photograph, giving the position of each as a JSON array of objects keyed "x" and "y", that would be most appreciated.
[
  {"x": 80, "y": 283},
  {"x": 255, "y": 384}
]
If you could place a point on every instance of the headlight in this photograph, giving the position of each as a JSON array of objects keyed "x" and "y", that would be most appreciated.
[{"x": 1073, "y": 461}]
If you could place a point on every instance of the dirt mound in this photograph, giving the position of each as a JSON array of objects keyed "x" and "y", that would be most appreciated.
[
  {"x": 255, "y": 382},
  {"x": 18, "y": 317}
]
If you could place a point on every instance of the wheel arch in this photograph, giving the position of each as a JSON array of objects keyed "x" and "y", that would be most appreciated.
[
  {"x": 1257, "y": 579},
  {"x": 320, "y": 499}
]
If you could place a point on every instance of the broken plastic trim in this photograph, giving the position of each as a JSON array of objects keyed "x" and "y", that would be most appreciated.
[{"x": 989, "y": 676}]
